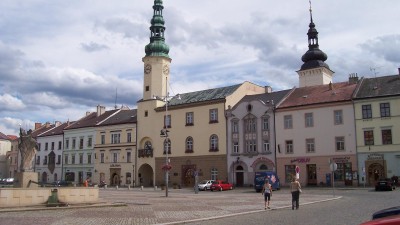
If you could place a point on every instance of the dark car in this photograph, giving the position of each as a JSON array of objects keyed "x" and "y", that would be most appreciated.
[
  {"x": 61, "y": 183},
  {"x": 386, "y": 212},
  {"x": 385, "y": 184}
]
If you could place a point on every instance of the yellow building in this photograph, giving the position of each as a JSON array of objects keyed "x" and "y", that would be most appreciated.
[
  {"x": 195, "y": 122},
  {"x": 115, "y": 149},
  {"x": 377, "y": 118}
]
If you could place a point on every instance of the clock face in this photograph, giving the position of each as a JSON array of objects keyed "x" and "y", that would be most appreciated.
[
  {"x": 166, "y": 70},
  {"x": 147, "y": 68}
]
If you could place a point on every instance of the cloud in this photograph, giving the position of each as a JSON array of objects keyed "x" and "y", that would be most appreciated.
[
  {"x": 10, "y": 103},
  {"x": 93, "y": 47},
  {"x": 387, "y": 46}
]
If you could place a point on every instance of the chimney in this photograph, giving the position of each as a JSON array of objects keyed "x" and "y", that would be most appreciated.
[
  {"x": 37, "y": 125},
  {"x": 100, "y": 110},
  {"x": 268, "y": 89},
  {"x": 353, "y": 78},
  {"x": 87, "y": 113},
  {"x": 57, "y": 123},
  {"x": 330, "y": 86}
]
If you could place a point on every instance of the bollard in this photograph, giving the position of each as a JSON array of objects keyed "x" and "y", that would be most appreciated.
[
  {"x": 116, "y": 187},
  {"x": 129, "y": 187},
  {"x": 105, "y": 186},
  {"x": 155, "y": 188},
  {"x": 141, "y": 188}
]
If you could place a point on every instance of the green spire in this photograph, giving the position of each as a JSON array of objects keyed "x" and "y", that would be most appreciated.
[{"x": 157, "y": 46}]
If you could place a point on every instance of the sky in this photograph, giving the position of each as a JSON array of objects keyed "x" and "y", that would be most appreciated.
[{"x": 60, "y": 59}]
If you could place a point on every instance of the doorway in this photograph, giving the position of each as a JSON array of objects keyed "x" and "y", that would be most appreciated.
[
  {"x": 311, "y": 174},
  {"x": 239, "y": 176}
]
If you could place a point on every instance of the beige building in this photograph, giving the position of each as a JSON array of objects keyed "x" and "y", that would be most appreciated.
[
  {"x": 115, "y": 149},
  {"x": 12, "y": 157},
  {"x": 377, "y": 118},
  {"x": 194, "y": 122}
]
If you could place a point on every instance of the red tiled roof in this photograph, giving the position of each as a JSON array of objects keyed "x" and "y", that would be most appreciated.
[
  {"x": 319, "y": 94},
  {"x": 12, "y": 137}
]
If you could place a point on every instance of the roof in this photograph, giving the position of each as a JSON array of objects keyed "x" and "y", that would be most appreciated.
[
  {"x": 4, "y": 137},
  {"x": 12, "y": 137},
  {"x": 56, "y": 130},
  {"x": 273, "y": 97},
  {"x": 379, "y": 87},
  {"x": 91, "y": 120},
  {"x": 204, "y": 95},
  {"x": 45, "y": 127},
  {"x": 319, "y": 94},
  {"x": 121, "y": 117}
]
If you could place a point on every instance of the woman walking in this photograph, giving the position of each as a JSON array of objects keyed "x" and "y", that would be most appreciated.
[
  {"x": 295, "y": 188},
  {"x": 267, "y": 192}
]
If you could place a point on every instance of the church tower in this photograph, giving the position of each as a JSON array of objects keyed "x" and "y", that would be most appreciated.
[
  {"x": 156, "y": 62},
  {"x": 314, "y": 70}
]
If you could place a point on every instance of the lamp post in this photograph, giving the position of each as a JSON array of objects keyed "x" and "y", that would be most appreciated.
[{"x": 164, "y": 132}]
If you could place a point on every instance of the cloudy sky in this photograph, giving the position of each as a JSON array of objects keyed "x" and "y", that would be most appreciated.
[{"x": 59, "y": 59}]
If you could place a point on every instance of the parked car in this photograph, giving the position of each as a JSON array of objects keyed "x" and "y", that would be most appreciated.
[
  {"x": 389, "y": 216},
  {"x": 61, "y": 183},
  {"x": 204, "y": 185},
  {"x": 220, "y": 185},
  {"x": 385, "y": 184}
]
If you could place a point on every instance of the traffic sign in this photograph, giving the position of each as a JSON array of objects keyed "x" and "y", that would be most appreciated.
[
  {"x": 333, "y": 166},
  {"x": 297, "y": 169}
]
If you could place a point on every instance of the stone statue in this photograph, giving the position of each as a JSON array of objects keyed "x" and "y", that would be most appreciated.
[{"x": 27, "y": 148}]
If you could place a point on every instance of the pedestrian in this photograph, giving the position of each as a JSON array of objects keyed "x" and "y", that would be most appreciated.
[
  {"x": 86, "y": 182},
  {"x": 267, "y": 192},
  {"x": 295, "y": 188}
]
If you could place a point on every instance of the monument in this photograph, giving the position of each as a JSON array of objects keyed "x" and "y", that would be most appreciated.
[{"x": 27, "y": 148}]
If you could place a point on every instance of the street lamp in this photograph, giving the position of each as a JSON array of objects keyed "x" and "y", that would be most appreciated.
[{"x": 164, "y": 132}]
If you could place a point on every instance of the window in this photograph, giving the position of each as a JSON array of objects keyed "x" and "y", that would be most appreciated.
[
  {"x": 115, "y": 138},
  {"x": 387, "y": 137},
  {"x": 289, "y": 146},
  {"x": 81, "y": 158},
  {"x": 167, "y": 146},
  {"x": 385, "y": 109},
  {"x": 115, "y": 157},
  {"x": 369, "y": 137},
  {"x": 214, "y": 174},
  {"x": 338, "y": 114},
  {"x": 339, "y": 143},
  {"x": 129, "y": 137},
  {"x": 59, "y": 159},
  {"x": 309, "y": 119},
  {"x": 288, "y": 122},
  {"x": 310, "y": 145},
  {"x": 46, "y": 146},
  {"x": 265, "y": 123},
  {"x": 81, "y": 143},
  {"x": 266, "y": 146},
  {"x": 235, "y": 147},
  {"x": 102, "y": 157},
  {"x": 89, "y": 158},
  {"x": 251, "y": 146},
  {"x": 189, "y": 144},
  {"x": 213, "y": 115},
  {"x": 235, "y": 126},
  {"x": 89, "y": 142},
  {"x": 67, "y": 143},
  {"x": 66, "y": 159},
  {"x": 45, "y": 160},
  {"x": 366, "y": 111},
  {"x": 59, "y": 145},
  {"x": 167, "y": 121},
  {"x": 73, "y": 159},
  {"x": 103, "y": 139},
  {"x": 146, "y": 113},
  {"x": 290, "y": 173},
  {"x": 189, "y": 119},
  {"x": 213, "y": 143},
  {"x": 73, "y": 143},
  {"x": 38, "y": 160},
  {"x": 128, "y": 157},
  {"x": 250, "y": 124},
  {"x": 52, "y": 145},
  {"x": 39, "y": 146}
]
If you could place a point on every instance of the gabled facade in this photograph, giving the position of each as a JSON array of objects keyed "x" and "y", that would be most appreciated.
[
  {"x": 251, "y": 136},
  {"x": 377, "y": 116},
  {"x": 49, "y": 153},
  {"x": 79, "y": 141},
  {"x": 195, "y": 123},
  {"x": 115, "y": 149}
]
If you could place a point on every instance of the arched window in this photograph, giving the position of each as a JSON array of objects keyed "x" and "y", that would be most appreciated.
[
  {"x": 167, "y": 146},
  {"x": 213, "y": 143},
  {"x": 189, "y": 145},
  {"x": 263, "y": 167}
]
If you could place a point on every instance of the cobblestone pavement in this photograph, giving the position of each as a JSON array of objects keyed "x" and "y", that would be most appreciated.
[{"x": 149, "y": 206}]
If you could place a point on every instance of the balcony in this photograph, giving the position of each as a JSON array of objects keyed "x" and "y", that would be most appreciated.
[{"x": 145, "y": 153}]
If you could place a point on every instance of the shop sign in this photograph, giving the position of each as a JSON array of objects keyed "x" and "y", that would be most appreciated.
[
  {"x": 375, "y": 156},
  {"x": 341, "y": 159},
  {"x": 300, "y": 160}
]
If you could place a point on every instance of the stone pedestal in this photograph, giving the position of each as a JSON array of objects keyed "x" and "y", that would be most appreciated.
[{"x": 26, "y": 180}]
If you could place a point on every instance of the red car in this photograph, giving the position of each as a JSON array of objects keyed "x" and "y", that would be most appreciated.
[{"x": 220, "y": 185}]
